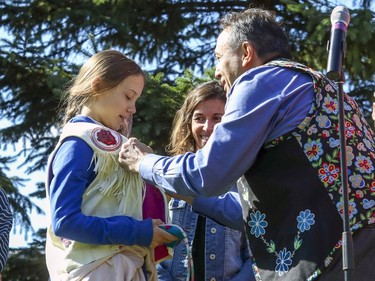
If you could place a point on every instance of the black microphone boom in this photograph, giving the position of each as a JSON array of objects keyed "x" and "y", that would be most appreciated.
[{"x": 340, "y": 19}]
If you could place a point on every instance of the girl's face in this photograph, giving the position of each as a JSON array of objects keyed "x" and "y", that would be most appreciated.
[
  {"x": 115, "y": 107},
  {"x": 205, "y": 116}
]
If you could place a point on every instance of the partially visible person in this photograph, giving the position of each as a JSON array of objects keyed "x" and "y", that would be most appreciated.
[
  {"x": 6, "y": 222},
  {"x": 373, "y": 111},
  {"x": 218, "y": 252},
  {"x": 97, "y": 231},
  {"x": 280, "y": 131}
]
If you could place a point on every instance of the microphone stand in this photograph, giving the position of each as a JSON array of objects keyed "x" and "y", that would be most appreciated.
[
  {"x": 347, "y": 241},
  {"x": 340, "y": 19}
]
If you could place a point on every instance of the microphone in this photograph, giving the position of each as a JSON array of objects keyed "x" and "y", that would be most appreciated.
[{"x": 340, "y": 19}]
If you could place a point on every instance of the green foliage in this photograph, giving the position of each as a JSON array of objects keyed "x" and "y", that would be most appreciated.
[
  {"x": 310, "y": 34},
  {"x": 49, "y": 40},
  {"x": 360, "y": 57},
  {"x": 21, "y": 205},
  {"x": 28, "y": 263},
  {"x": 297, "y": 243},
  {"x": 271, "y": 247},
  {"x": 158, "y": 104}
]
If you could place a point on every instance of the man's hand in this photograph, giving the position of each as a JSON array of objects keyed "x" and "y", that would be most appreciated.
[
  {"x": 187, "y": 199},
  {"x": 132, "y": 153}
]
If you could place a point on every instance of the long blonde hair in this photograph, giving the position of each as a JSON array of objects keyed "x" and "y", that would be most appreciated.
[
  {"x": 182, "y": 139},
  {"x": 110, "y": 67}
]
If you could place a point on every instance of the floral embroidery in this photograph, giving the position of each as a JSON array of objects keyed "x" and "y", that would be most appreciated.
[
  {"x": 315, "y": 274},
  {"x": 368, "y": 204},
  {"x": 357, "y": 121},
  {"x": 258, "y": 225},
  {"x": 372, "y": 187},
  {"x": 334, "y": 142},
  {"x": 329, "y": 88},
  {"x": 313, "y": 150},
  {"x": 312, "y": 130},
  {"x": 328, "y": 173},
  {"x": 357, "y": 181},
  {"x": 367, "y": 143},
  {"x": 330, "y": 105},
  {"x": 283, "y": 262},
  {"x": 349, "y": 155},
  {"x": 350, "y": 130},
  {"x": 359, "y": 194},
  {"x": 318, "y": 136},
  {"x": 364, "y": 164},
  {"x": 323, "y": 121},
  {"x": 369, "y": 138},
  {"x": 305, "y": 220},
  {"x": 352, "y": 209},
  {"x": 326, "y": 134},
  {"x": 361, "y": 147}
]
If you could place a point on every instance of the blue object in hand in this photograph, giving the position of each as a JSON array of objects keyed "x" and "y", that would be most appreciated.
[{"x": 174, "y": 230}]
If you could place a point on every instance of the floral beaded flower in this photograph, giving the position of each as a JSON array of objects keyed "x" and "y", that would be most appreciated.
[
  {"x": 257, "y": 224},
  {"x": 283, "y": 261},
  {"x": 305, "y": 220}
]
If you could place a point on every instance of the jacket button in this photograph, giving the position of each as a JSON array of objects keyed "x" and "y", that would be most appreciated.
[
  {"x": 213, "y": 230},
  {"x": 212, "y": 256}
]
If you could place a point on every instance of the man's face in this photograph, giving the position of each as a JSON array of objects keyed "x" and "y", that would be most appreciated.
[{"x": 229, "y": 61}]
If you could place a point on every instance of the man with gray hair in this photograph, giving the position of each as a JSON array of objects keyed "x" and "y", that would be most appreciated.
[{"x": 279, "y": 132}]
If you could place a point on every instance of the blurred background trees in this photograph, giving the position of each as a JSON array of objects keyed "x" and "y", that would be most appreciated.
[{"x": 44, "y": 42}]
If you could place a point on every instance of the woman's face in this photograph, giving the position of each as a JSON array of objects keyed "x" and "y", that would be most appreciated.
[
  {"x": 115, "y": 107},
  {"x": 205, "y": 116}
]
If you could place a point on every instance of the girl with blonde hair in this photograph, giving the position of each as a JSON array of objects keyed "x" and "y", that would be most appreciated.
[{"x": 97, "y": 230}]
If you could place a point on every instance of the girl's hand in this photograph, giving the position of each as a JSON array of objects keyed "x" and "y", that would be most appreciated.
[{"x": 161, "y": 236}]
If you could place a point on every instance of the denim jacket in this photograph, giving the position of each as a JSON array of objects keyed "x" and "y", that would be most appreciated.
[{"x": 226, "y": 255}]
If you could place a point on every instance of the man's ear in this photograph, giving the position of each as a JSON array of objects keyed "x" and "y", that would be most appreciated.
[
  {"x": 96, "y": 84},
  {"x": 248, "y": 54}
]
